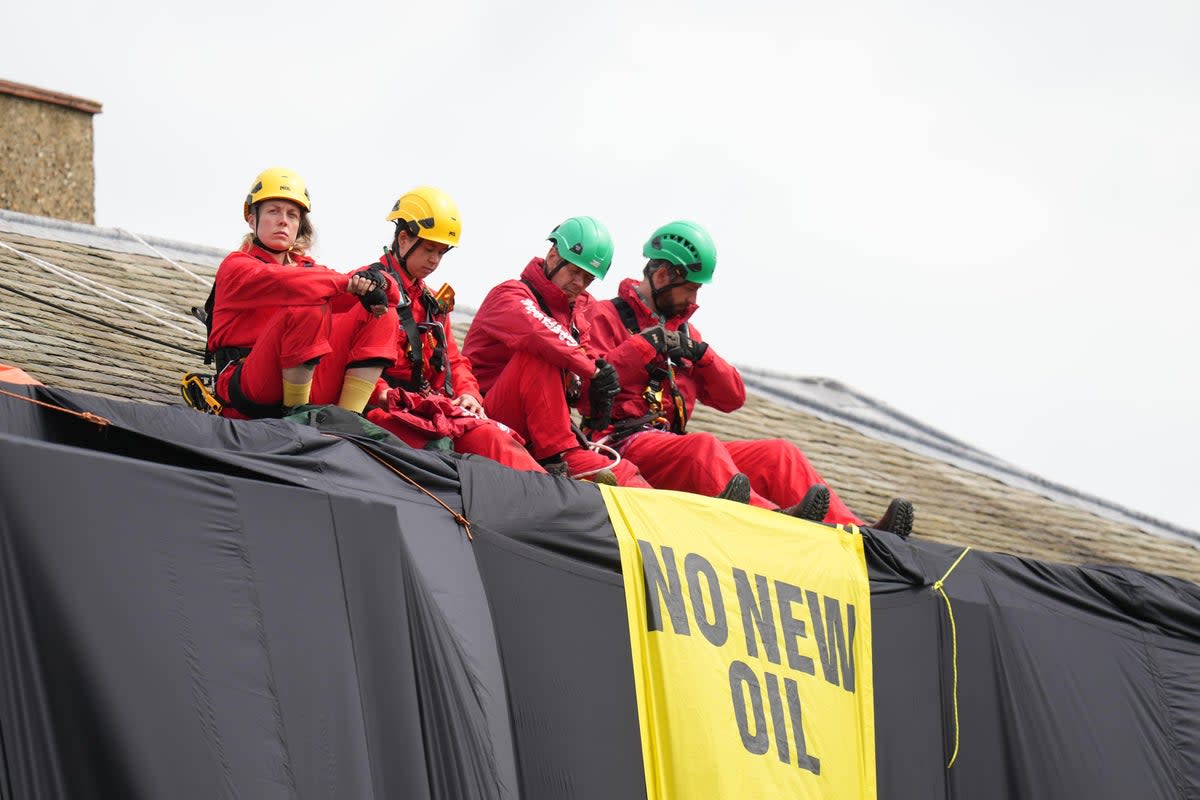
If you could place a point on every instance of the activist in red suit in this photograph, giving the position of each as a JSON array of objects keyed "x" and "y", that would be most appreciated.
[
  {"x": 664, "y": 366},
  {"x": 272, "y": 319},
  {"x": 529, "y": 354},
  {"x": 429, "y": 396}
]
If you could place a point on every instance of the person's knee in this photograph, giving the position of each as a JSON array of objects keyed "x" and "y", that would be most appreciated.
[
  {"x": 524, "y": 366},
  {"x": 304, "y": 315},
  {"x": 707, "y": 443}
]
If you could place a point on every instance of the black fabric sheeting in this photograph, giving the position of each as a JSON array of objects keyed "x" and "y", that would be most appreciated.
[
  {"x": 1072, "y": 682},
  {"x": 1060, "y": 694},
  {"x": 283, "y": 451},
  {"x": 418, "y": 686},
  {"x": 565, "y": 642},
  {"x": 559, "y": 516},
  {"x": 251, "y": 576}
]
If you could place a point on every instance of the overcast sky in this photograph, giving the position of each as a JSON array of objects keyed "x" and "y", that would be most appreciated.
[{"x": 983, "y": 214}]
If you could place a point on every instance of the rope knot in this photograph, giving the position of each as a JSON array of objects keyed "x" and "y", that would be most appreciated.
[{"x": 937, "y": 587}]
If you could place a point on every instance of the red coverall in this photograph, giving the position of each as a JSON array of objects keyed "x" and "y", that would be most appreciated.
[
  {"x": 283, "y": 313},
  {"x": 523, "y": 353},
  {"x": 419, "y": 408},
  {"x": 779, "y": 472}
]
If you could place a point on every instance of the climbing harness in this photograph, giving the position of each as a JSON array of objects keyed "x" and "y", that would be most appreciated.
[
  {"x": 661, "y": 385},
  {"x": 436, "y": 306}
]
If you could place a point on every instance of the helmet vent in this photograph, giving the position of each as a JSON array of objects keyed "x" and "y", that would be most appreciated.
[{"x": 691, "y": 248}]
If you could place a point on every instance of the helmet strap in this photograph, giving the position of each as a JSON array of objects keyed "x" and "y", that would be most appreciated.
[
  {"x": 655, "y": 292},
  {"x": 550, "y": 273},
  {"x": 402, "y": 260},
  {"x": 259, "y": 242}
]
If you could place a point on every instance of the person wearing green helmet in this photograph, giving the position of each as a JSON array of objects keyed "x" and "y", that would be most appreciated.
[
  {"x": 664, "y": 366},
  {"x": 530, "y": 358}
]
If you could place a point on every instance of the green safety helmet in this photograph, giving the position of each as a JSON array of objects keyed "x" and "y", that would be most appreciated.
[
  {"x": 684, "y": 244},
  {"x": 586, "y": 243}
]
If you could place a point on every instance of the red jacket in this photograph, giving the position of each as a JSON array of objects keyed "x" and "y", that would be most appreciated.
[
  {"x": 712, "y": 380},
  {"x": 251, "y": 287},
  {"x": 422, "y": 302},
  {"x": 511, "y": 320}
]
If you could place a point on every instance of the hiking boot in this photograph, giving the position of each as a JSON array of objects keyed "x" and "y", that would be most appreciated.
[
  {"x": 898, "y": 518},
  {"x": 603, "y": 476},
  {"x": 813, "y": 506},
  {"x": 556, "y": 466},
  {"x": 737, "y": 490}
]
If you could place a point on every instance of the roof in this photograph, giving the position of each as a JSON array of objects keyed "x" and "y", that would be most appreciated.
[{"x": 63, "y": 285}]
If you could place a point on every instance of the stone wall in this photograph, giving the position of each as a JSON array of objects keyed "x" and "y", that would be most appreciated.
[{"x": 46, "y": 163}]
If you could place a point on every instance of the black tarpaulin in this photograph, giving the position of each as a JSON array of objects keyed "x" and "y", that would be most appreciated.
[{"x": 197, "y": 607}]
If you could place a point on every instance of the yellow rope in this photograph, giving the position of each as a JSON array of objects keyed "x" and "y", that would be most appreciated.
[{"x": 937, "y": 587}]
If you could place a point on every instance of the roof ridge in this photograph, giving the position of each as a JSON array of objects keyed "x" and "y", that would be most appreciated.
[
  {"x": 112, "y": 239},
  {"x": 876, "y": 404},
  {"x": 926, "y": 440}
]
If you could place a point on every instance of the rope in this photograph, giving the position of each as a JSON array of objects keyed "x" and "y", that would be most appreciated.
[
  {"x": 937, "y": 587},
  {"x": 84, "y": 415},
  {"x": 597, "y": 447},
  {"x": 165, "y": 257},
  {"x": 96, "y": 321},
  {"x": 459, "y": 518},
  {"x": 101, "y": 421},
  {"x": 97, "y": 288}
]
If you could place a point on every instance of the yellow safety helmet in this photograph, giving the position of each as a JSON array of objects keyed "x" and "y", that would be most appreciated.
[
  {"x": 277, "y": 183},
  {"x": 428, "y": 213}
]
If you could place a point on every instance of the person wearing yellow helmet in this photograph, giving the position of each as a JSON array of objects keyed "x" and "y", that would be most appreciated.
[
  {"x": 270, "y": 313},
  {"x": 430, "y": 395},
  {"x": 531, "y": 358},
  {"x": 665, "y": 367}
]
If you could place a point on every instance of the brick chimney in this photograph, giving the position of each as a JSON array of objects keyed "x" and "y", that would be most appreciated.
[{"x": 46, "y": 163}]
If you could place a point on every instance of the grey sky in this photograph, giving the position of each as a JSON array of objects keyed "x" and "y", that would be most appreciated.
[{"x": 983, "y": 214}]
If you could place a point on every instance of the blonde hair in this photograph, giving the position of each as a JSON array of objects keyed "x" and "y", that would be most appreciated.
[{"x": 305, "y": 235}]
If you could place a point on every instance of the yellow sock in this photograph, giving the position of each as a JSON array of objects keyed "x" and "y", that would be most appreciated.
[
  {"x": 355, "y": 394},
  {"x": 296, "y": 394}
]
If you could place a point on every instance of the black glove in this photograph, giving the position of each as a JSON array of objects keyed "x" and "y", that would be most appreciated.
[
  {"x": 688, "y": 348},
  {"x": 657, "y": 337},
  {"x": 378, "y": 294},
  {"x": 604, "y": 388}
]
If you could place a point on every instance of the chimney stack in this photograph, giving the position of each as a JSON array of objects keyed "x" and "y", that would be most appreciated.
[{"x": 46, "y": 153}]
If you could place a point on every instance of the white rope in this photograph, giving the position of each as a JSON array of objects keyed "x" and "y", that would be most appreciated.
[
  {"x": 168, "y": 259},
  {"x": 604, "y": 450},
  {"x": 86, "y": 283}
]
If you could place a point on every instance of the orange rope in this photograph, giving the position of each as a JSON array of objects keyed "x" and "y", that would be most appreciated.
[
  {"x": 459, "y": 518},
  {"x": 101, "y": 421},
  {"x": 84, "y": 415}
]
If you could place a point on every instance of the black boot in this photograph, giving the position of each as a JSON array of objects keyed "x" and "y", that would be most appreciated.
[
  {"x": 813, "y": 506},
  {"x": 554, "y": 465},
  {"x": 737, "y": 490},
  {"x": 898, "y": 518}
]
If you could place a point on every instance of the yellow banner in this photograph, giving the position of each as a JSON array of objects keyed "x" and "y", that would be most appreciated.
[{"x": 751, "y": 636}]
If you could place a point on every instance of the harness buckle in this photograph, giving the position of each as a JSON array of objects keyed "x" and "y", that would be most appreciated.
[{"x": 196, "y": 388}]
